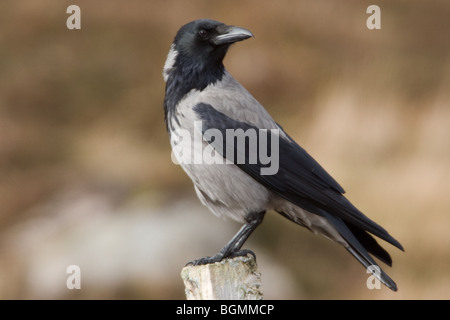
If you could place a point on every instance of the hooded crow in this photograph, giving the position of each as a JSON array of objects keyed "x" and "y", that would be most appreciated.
[{"x": 222, "y": 137}]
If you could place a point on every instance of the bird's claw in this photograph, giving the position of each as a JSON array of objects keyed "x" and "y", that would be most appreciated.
[
  {"x": 242, "y": 253},
  {"x": 206, "y": 260},
  {"x": 219, "y": 257}
]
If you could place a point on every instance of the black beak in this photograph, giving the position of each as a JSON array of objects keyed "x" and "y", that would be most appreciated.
[{"x": 231, "y": 34}]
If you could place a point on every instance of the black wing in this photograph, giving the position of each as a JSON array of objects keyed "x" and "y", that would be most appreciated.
[{"x": 299, "y": 179}]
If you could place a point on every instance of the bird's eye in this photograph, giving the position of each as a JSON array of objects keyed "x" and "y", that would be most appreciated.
[{"x": 203, "y": 34}]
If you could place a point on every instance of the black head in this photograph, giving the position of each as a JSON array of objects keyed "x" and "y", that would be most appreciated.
[
  {"x": 195, "y": 58},
  {"x": 206, "y": 42}
]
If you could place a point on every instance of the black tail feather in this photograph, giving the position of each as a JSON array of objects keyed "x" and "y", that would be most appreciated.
[
  {"x": 370, "y": 244},
  {"x": 353, "y": 236}
]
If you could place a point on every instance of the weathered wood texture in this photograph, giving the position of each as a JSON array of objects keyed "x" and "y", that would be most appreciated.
[{"x": 231, "y": 279}]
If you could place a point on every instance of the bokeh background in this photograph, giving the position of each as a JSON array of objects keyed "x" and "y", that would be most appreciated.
[{"x": 85, "y": 170}]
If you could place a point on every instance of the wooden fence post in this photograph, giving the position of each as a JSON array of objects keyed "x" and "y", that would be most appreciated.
[{"x": 231, "y": 279}]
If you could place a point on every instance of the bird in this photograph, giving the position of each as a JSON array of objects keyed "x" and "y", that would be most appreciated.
[{"x": 208, "y": 113}]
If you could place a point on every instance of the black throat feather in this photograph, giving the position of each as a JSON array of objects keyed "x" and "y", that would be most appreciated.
[{"x": 186, "y": 75}]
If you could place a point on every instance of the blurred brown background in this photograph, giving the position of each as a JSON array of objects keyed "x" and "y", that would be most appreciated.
[{"x": 85, "y": 170}]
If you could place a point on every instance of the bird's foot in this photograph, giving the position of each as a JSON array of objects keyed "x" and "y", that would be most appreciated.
[
  {"x": 220, "y": 256},
  {"x": 206, "y": 260},
  {"x": 242, "y": 253}
]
